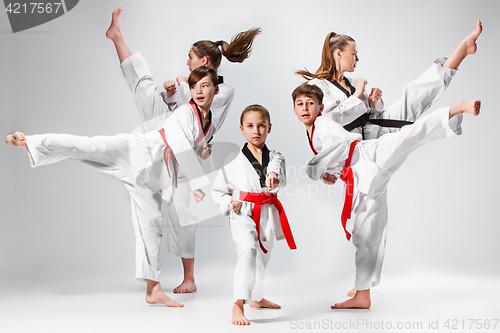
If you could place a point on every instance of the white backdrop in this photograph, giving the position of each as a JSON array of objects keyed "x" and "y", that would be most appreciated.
[{"x": 66, "y": 228}]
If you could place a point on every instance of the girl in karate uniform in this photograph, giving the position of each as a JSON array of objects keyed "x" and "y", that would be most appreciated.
[
  {"x": 145, "y": 163},
  {"x": 246, "y": 191},
  {"x": 366, "y": 167},
  {"x": 346, "y": 102},
  {"x": 154, "y": 107}
]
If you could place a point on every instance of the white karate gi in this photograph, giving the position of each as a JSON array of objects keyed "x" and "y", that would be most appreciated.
[
  {"x": 133, "y": 159},
  {"x": 153, "y": 108},
  {"x": 373, "y": 163},
  {"x": 240, "y": 175},
  {"x": 418, "y": 96}
]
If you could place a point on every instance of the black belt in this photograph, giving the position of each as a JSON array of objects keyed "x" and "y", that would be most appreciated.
[{"x": 362, "y": 120}]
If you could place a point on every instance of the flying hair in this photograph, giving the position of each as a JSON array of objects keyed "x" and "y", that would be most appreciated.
[
  {"x": 237, "y": 51},
  {"x": 328, "y": 69}
]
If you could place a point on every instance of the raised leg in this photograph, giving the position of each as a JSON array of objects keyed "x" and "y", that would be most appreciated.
[
  {"x": 115, "y": 33},
  {"x": 471, "y": 107},
  {"x": 466, "y": 47}
]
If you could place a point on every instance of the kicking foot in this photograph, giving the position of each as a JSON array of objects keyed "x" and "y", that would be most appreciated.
[
  {"x": 471, "y": 107},
  {"x": 187, "y": 286},
  {"x": 17, "y": 139},
  {"x": 466, "y": 47},
  {"x": 360, "y": 301},
  {"x": 115, "y": 29},
  {"x": 238, "y": 315},
  {"x": 470, "y": 41},
  {"x": 264, "y": 303},
  {"x": 155, "y": 295}
]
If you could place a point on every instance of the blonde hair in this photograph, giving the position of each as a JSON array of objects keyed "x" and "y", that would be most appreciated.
[{"x": 328, "y": 69}]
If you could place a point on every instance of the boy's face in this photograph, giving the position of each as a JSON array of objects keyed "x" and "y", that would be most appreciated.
[
  {"x": 255, "y": 128},
  {"x": 307, "y": 109},
  {"x": 203, "y": 92}
]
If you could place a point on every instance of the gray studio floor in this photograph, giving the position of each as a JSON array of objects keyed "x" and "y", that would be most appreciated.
[{"x": 414, "y": 301}]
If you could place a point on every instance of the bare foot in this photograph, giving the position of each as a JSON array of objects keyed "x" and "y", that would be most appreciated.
[
  {"x": 238, "y": 314},
  {"x": 115, "y": 29},
  {"x": 187, "y": 286},
  {"x": 471, "y": 107},
  {"x": 470, "y": 41},
  {"x": 264, "y": 303},
  {"x": 466, "y": 47},
  {"x": 155, "y": 295},
  {"x": 352, "y": 292},
  {"x": 360, "y": 301},
  {"x": 17, "y": 139}
]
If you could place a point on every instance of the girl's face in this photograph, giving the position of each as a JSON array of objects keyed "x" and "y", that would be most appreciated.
[
  {"x": 346, "y": 60},
  {"x": 255, "y": 128},
  {"x": 194, "y": 61}
]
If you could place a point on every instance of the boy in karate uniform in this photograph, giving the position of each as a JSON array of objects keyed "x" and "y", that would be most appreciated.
[
  {"x": 246, "y": 191},
  {"x": 366, "y": 167},
  {"x": 144, "y": 162}
]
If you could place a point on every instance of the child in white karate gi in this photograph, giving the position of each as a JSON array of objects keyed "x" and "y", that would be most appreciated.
[
  {"x": 346, "y": 101},
  {"x": 145, "y": 163},
  {"x": 246, "y": 191},
  {"x": 366, "y": 167},
  {"x": 154, "y": 107}
]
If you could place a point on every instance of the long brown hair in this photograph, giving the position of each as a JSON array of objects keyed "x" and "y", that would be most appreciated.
[
  {"x": 238, "y": 50},
  {"x": 328, "y": 69}
]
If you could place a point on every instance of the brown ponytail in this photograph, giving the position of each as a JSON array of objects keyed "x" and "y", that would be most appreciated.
[
  {"x": 237, "y": 51},
  {"x": 327, "y": 69}
]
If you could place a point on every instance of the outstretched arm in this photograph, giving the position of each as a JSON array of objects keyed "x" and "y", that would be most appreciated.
[{"x": 276, "y": 171}]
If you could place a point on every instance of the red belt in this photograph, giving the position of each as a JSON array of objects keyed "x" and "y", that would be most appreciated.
[
  {"x": 169, "y": 154},
  {"x": 348, "y": 178},
  {"x": 262, "y": 198}
]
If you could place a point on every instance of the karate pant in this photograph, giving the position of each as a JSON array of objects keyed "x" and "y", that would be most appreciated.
[
  {"x": 370, "y": 215},
  {"x": 110, "y": 155},
  {"x": 418, "y": 96},
  {"x": 252, "y": 261}
]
